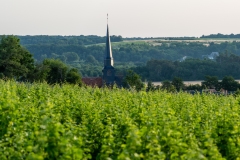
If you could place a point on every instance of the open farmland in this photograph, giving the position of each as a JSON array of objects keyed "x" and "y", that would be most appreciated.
[
  {"x": 158, "y": 41},
  {"x": 39, "y": 121},
  {"x": 187, "y": 83}
]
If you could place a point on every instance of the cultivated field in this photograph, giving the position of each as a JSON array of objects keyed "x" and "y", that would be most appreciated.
[
  {"x": 39, "y": 121},
  {"x": 187, "y": 83},
  {"x": 157, "y": 42}
]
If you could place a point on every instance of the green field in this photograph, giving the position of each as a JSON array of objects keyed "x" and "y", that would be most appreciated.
[
  {"x": 39, "y": 121},
  {"x": 162, "y": 40}
]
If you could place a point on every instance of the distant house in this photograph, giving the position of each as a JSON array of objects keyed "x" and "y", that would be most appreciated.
[
  {"x": 183, "y": 58},
  {"x": 92, "y": 81},
  {"x": 212, "y": 56},
  {"x": 209, "y": 91}
]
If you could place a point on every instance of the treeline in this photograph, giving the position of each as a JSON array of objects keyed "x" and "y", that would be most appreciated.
[
  {"x": 211, "y": 84},
  {"x": 226, "y": 64},
  {"x": 89, "y": 59},
  {"x": 180, "y": 38},
  {"x": 219, "y": 35},
  {"x": 135, "y": 52},
  {"x": 17, "y": 63},
  {"x": 66, "y": 40},
  {"x": 156, "y": 62},
  {"x": 157, "y": 38}
]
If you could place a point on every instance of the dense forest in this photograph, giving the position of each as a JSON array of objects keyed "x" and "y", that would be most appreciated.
[
  {"x": 66, "y": 40},
  {"x": 153, "y": 58},
  {"x": 135, "y": 52},
  {"x": 219, "y": 35},
  {"x": 226, "y": 64},
  {"x": 17, "y": 63},
  {"x": 156, "y": 61},
  {"x": 163, "y": 38}
]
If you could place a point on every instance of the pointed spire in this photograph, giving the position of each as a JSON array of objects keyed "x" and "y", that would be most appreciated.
[
  {"x": 108, "y": 70},
  {"x": 108, "y": 61}
]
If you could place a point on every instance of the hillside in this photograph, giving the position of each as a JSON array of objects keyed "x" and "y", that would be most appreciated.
[{"x": 86, "y": 53}]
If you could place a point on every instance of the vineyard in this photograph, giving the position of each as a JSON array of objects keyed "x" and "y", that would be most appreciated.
[{"x": 42, "y": 122}]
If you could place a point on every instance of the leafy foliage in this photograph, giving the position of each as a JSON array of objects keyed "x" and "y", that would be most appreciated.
[
  {"x": 219, "y": 35},
  {"x": 178, "y": 83},
  {"x": 69, "y": 40},
  {"x": 55, "y": 71},
  {"x": 71, "y": 56},
  {"x": 138, "y": 53},
  {"x": 73, "y": 77},
  {"x": 191, "y": 69},
  {"x": 133, "y": 80},
  {"x": 211, "y": 82},
  {"x": 167, "y": 85},
  {"x": 228, "y": 83},
  {"x": 15, "y": 61},
  {"x": 39, "y": 121}
]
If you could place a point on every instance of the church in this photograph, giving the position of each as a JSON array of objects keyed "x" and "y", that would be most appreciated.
[{"x": 109, "y": 77}]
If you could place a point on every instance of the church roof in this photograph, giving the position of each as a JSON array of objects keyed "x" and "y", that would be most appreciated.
[
  {"x": 108, "y": 60},
  {"x": 108, "y": 45},
  {"x": 92, "y": 81}
]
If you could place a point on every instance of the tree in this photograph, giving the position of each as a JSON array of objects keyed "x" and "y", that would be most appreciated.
[
  {"x": 195, "y": 87},
  {"x": 63, "y": 58},
  {"x": 71, "y": 56},
  {"x": 228, "y": 83},
  {"x": 57, "y": 71},
  {"x": 166, "y": 85},
  {"x": 15, "y": 61},
  {"x": 133, "y": 80},
  {"x": 211, "y": 82},
  {"x": 40, "y": 73},
  {"x": 178, "y": 83},
  {"x": 150, "y": 86},
  {"x": 90, "y": 59},
  {"x": 73, "y": 77}
]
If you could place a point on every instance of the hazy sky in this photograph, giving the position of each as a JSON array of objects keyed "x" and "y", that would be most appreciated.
[{"x": 129, "y": 18}]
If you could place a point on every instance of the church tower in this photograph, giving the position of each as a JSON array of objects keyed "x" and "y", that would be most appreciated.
[{"x": 108, "y": 70}]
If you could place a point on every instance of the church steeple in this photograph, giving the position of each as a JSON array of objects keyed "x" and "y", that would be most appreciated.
[
  {"x": 108, "y": 70},
  {"x": 108, "y": 61}
]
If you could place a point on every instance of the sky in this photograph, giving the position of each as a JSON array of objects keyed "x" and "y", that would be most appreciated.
[{"x": 128, "y": 18}]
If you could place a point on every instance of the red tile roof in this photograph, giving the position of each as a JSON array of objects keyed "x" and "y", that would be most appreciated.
[{"x": 92, "y": 81}]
